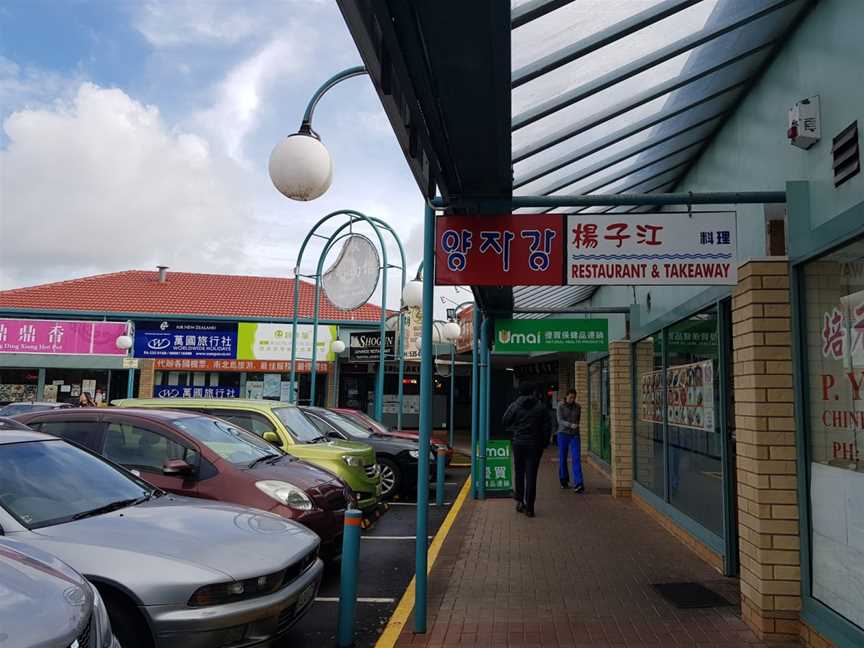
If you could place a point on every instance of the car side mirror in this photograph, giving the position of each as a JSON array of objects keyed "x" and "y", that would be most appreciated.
[
  {"x": 271, "y": 437},
  {"x": 176, "y": 467}
]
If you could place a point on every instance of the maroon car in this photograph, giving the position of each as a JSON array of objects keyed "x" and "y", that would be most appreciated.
[{"x": 196, "y": 455}]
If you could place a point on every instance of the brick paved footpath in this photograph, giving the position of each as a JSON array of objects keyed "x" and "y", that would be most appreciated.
[{"x": 578, "y": 574}]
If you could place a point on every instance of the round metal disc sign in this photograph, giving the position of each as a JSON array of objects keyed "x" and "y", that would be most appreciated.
[{"x": 351, "y": 280}]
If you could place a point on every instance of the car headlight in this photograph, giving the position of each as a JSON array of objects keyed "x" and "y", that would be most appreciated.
[
  {"x": 285, "y": 493},
  {"x": 353, "y": 460},
  {"x": 414, "y": 454},
  {"x": 104, "y": 636}
]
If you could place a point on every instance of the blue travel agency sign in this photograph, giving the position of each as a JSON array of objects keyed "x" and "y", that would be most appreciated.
[
  {"x": 184, "y": 339},
  {"x": 189, "y": 391}
]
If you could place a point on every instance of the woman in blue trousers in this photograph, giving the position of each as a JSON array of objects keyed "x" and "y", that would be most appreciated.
[{"x": 569, "y": 416}]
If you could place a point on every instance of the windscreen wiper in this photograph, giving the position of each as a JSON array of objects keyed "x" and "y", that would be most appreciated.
[
  {"x": 269, "y": 455},
  {"x": 113, "y": 506}
]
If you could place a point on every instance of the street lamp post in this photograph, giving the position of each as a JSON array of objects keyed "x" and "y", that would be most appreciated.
[{"x": 125, "y": 343}]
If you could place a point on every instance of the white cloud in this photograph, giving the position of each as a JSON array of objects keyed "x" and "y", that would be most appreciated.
[
  {"x": 102, "y": 183},
  {"x": 31, "y": 86}
]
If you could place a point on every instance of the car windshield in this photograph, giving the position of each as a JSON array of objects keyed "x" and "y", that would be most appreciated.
[
  {"x": 43, "y": 483},
  {"x": 298, "y": 425},
  {"x": 232, "y": 444},
  {"x": 345, "y": 424}
]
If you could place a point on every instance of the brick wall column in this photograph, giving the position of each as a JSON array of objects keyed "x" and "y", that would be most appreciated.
[
  {"x": 765, "y": 431},
  {"x": 580, "y": 384},
  {"x": 621, "y": 417},
  {"x": 146, "y": 378},
  {"x": 645, "y": 447}
]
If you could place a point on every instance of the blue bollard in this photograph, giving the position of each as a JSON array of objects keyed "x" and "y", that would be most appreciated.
[
  {"x": 439, "y": 482},
  {"x": 348, "y": 577}
]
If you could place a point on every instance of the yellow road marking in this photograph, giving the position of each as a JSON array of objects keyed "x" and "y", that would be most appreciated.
[{"x": 400, "y": 616}]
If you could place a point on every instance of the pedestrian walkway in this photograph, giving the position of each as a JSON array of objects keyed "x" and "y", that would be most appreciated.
[{"x": 579, "y": 574}]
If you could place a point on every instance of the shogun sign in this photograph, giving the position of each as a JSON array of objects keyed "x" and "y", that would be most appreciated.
[
  {"x": 367, "y": 346},
  {"x": 662, "y": 249}
]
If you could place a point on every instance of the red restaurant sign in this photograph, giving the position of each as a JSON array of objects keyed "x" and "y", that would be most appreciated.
[{"x": 502, "y": 250}]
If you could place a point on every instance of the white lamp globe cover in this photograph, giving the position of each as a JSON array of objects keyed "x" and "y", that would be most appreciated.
[
  {"x": 452, "y": 331},
  {"x": 338, "y": 346},
  {"x": 436, "y": 333},
  {"x": 124, "y": 342},
  {"x": 300, "y": 167},
  {"x": 412, "y": 294}
]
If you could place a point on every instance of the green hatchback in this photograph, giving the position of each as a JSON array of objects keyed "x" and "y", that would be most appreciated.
[{"x": 285, "y": 426}]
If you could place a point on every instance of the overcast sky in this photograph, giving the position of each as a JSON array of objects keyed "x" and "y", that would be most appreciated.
[{"x": 138, "y": 133}]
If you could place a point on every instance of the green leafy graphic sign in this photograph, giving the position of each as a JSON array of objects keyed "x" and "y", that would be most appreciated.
[
  {"x": 526, "y": 336},
  {"x": 499, "y": 466}
]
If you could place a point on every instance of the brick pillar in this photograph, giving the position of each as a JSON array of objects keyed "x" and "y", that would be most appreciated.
[
  {"x": 580, "y": 383},
  {"x": 621, "y": 417},
  {"x": 146, "y": 379},
  {"x": 765, "y": 429},
  {"x": 645, "y": 446}
]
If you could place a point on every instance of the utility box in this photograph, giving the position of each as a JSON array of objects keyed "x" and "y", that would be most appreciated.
[{"x": 804, "y": 128}]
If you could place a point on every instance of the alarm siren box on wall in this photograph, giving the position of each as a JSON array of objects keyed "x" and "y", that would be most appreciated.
[{"x": 804, "y": 129}]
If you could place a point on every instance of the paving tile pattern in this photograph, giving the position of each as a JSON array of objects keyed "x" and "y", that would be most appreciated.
[{"x": 579, "y": 574}]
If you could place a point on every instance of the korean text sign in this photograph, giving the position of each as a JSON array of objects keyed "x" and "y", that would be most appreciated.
[
  {"x": 503, "y": 250},
  {"x": 168, "y": 339},
  {"x": 60, "y": 337},
  {"x": 661, "y": 249},
  {"x": 525, "y": 336}
]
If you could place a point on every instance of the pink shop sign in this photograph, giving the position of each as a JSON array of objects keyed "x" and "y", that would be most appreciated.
[{"x": 60, "y": 337}]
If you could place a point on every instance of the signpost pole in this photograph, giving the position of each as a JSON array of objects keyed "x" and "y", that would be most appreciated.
[
  {"x": 475, "y": 396},
  {"x": 295, "y": 392},
  {"x": 452, "y": 388},
  {"x": 130, "y": 383},
  {"x": 484, "y": 398},
  {"x": 426, "y": 383}
]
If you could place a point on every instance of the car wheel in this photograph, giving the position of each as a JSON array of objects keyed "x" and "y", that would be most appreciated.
[
  {"x": 128, "y": 625},
  {"x": 391, "y": 477}
]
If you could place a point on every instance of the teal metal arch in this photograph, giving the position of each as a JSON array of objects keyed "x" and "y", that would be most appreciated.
[{"x": 377, "y": 226}]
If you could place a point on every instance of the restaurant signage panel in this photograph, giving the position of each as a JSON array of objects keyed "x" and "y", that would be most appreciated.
[
  {"x": 660, "y": 249},
  {"x": 69, "y": 337},
  {"x": 500, "y": 250},
  {"x": 366, "y": 346},
  {"x": 185, "y": 339},
  {"x": 527, "y": 336}
]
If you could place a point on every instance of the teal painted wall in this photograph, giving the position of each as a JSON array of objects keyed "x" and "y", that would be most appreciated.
[{"x": 825, "y": 56}]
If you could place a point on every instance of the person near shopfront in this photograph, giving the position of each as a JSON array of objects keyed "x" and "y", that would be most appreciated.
[
  {"x": 526, "y": 422},
  {"x": 86, "y": 400},
  {"x": 569, "y": 417}
]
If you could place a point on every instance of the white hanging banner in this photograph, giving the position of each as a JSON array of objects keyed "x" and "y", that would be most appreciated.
[
  {"x": 652, "y": 249},
  {"x": 351, "y": 280}
]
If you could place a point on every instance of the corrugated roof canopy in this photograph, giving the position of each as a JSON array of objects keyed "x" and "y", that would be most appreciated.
[{"x": 615, "y": 97}]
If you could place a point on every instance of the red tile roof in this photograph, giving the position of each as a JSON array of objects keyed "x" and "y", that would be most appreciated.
[{"x": 183, "y": 293}]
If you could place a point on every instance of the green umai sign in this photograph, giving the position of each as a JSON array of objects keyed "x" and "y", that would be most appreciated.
[
  {"x": 525, "y": 336},
  {"x": 499, "y": 466}
]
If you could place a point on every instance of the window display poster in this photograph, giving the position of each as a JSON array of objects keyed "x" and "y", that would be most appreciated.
[
  {"x": 88, "y": 386},
  {"x": 689, "y": 396},
  {"x": 49, "y": 393},
  {"x": 14, "y": 393},
  {"x": 255, "y": 389},
  {"x": 272, "y": 386}
]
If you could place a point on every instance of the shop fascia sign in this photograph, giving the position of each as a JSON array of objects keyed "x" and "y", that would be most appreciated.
[
  {"x": 366, "y": 345},
  {"x": 545, "y": 335},
  {"x": 664, "y": 248},
  {"x": 66, "y": 337},
  {"x": 185, "y": 339},
  {"x": 274, "y": 342}
]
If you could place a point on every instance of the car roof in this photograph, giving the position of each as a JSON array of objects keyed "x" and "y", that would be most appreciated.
[
  {"x": 10, "y": 436},
  {"x": 152, "y": 414},
  {"x": 233, "y": 403}
]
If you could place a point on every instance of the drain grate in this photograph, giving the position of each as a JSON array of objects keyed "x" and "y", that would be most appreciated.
[{"x": 690, "y": 595}]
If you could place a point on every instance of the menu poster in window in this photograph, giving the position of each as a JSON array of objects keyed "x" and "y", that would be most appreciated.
[
  {"x": 88, "y": 386},
  {"x": 272, "y": 386},
  {"x": 49, "y": 394},
  {"x": 689, "y": 396}
]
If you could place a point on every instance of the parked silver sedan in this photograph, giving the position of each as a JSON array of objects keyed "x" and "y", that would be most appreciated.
[
  {"x": 173, "y": 571},
  {"x": 44, "y": 603}
]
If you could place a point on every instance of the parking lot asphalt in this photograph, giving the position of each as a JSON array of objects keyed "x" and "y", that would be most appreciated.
[{"x": 386, "y": 569}]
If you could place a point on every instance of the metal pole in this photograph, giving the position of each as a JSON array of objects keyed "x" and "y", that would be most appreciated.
[
  {"x": 379, "y": 383},
  {"x": 440, "y": 465},
  {"x": 295, "y": 392},
  {"x": 475, "y": 396},
  {"x": 426, "y": 384},
  {"x": 348, "y": 577},
  {"x": 306, "y": 126},
  {"x": 313, "y": 367},
  {"x": 488, "y": 363},
  {"x": 401, "y": 350},
  {"x": 452, "y": 388},
  {"x": 130, "y": 384},
  {"x": 484, "y": 397}
]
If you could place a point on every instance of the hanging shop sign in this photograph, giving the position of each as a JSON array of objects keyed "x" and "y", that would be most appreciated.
[
  {"x": 527, "y": 336},
  {"x": 413, "y": 331},
  {"x": 353, "y": 277},
  {"x": 366, "y": 346},
  {"x": 185, "y": 339},
  {"x": 465, "y": 341},
  {"x": 501, "y": 250},
  {"x": 60, "y": 337},
  {"x": 659, "y": 249},
  {"x": 273, "y": 342},
  {"x": 689, "y": 396},
  {"x": 499, "y": 466},
  {"x": 188, "y": 391}
]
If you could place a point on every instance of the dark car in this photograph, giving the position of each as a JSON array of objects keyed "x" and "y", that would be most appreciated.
[
  {"x": 397, "y": 458},
  {"x": 14, "y": 409},
  {"x": 192, "y": 454}
]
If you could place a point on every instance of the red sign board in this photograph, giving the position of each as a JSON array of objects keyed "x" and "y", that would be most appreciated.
[{"x": 502, "y": 250}]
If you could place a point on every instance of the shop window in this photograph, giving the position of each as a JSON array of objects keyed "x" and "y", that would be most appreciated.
[
  {"x": 833, "y": 299},
  {"x": 650, "y": 406},
  {"x": 694, "y": 433},
  {"x": 136, "y": 447},
  {"x": 599, "y": 440},
  {"x": 18, "y": 385}
]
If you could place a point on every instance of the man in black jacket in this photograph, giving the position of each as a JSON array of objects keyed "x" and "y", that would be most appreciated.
[{"x": 526, "y": 420}]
